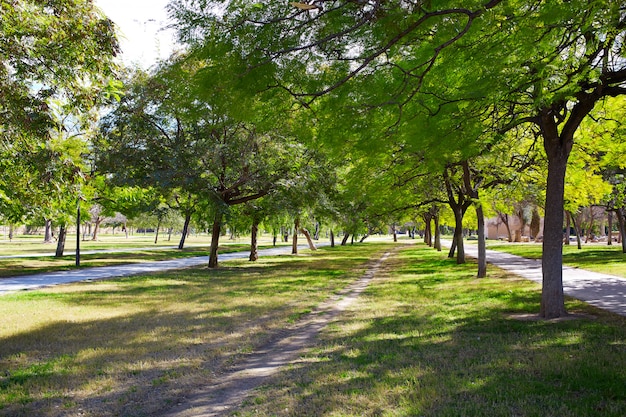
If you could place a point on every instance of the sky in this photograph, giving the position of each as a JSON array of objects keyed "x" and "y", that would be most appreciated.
[{"x": 140, "y": 22}]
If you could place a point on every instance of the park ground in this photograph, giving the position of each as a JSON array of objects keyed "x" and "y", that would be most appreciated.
[{"x": 426, "y": 338}]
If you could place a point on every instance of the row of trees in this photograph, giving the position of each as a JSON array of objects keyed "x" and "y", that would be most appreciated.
[
  {"x": 435, "y": 86},
  {"x": 357, "y": 114}
]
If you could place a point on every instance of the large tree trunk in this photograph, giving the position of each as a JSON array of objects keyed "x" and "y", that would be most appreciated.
[
  {"x": 307, "y": 235},
  {"x": 215, "y": 240},
  {"x": 254, "y": 247},
  {"x": 482, "y": 246},
  {"x": 552, "y": 297},
  {"x": 61, "y": 241},
  {"x": 181, "y": 244},
  {"x": 294, "y": 242}
]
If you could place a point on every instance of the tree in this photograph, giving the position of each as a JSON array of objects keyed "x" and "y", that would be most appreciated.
[
  {"x": 544, "y": 63},
  {"x": 176, "y": 132}
]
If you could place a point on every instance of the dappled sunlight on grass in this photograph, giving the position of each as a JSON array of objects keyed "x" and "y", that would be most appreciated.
[
  {"x": 593, "y": 257},
  {"x": 138, "y": 343},
  {"x": 429, "y": 339}
]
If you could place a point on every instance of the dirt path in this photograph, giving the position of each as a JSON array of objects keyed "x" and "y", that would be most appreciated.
[{"x": 224, "y": 397}]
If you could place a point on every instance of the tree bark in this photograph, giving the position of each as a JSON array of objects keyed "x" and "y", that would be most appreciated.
[
  {"x": 96, "y": 228},
  {"x": 346, "y": 236},
  {"x": 332, "y": 239},
  {"x": 181, "y": 244},
  {"x": 552, "y": 297},
  {"x": 622, "y": 227},
  {"x": 576, "y": 230},
  {"x": 609, "y": 237},
  {"x": 428, "y": 231},
  {"x": 294, "y": 242},
  {"x": 437, "y": 233},
  {"x": 568, "y": 226},
  {"x": 505, "y": 220},
  {"x": 48, "y": 237},
  {"x": 156, "y": 236},
  {"x": 215, "y": 240},
  {"x": 307, "y": 235},
  {"x": 482, "y": 246},
  {"x": 254, "y": 247},
  {"x": 61, "y": 241},
  {"x": 452, "y": 248},
  {"x": 458, "y": 235}
]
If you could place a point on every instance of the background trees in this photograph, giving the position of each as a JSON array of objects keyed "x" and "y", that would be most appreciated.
[{"x": 429, "y": 66}]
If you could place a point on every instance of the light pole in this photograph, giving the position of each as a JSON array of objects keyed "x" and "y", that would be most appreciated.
[{"x": 78, "y": 230}]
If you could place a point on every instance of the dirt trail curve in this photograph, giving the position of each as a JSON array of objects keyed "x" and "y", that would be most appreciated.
[{"x": 234, "y": 386}]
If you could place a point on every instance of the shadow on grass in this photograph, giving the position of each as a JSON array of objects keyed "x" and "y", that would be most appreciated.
[
  {"x": 133, "y": 345},
  {"x": 594, "y": 256},
  {"x": 433, "y": 340}
]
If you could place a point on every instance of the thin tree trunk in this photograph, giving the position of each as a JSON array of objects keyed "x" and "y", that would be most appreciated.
[
  {"x": 458, "y": 236},
  {"x": 332, "y": 239},
  {"x": 254, "y": 247},
  {"x": 452, "y": 248},
  {"x": 610, "y": 231},
  {"x": 576, "y": 230},
  {"x": 307, "y": 235},
  {"x": 96, "y": 228},
  {"x": 181, "y": 244},
  {"x": 61, "y": 241},
  {"x": 294, "y": 242},
  {"x": 47, "y": 238},
  {"x": 156, "y": 236},
  {"x": 437, "y": 233},
  {"x": 215, "y": 240},
  {"x": 622, "y": 227},
  {"x": 345, "y": 239},
  {"x": 482, "y": 246}
]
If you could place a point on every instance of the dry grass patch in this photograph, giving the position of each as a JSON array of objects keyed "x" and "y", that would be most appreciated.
[{"x": 136, "y": 345}]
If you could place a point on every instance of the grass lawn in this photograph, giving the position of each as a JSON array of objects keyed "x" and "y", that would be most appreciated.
[
  {"x": 131, "y": 346},
  {"x": 426, "y": 339},
  {"x": 135, "y": 249},
  {"x": 593, "y": 257},
  {"x": 429, "y": 339}
]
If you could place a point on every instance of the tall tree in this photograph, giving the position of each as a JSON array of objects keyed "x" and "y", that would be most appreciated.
[{"x": 178, "y": 131}]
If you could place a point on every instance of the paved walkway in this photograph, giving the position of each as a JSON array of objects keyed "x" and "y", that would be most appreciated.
[
  {"x": 601, "y": 290},
  {"x": 29, "y": 282}
]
